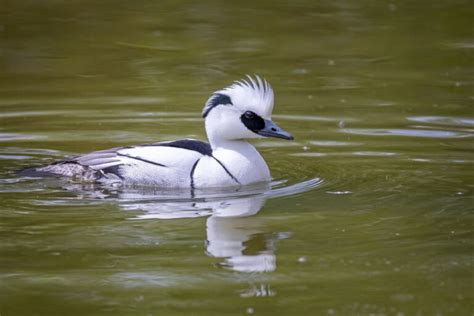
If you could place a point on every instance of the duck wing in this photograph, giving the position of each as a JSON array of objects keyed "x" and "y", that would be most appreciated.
[
  {"x": 162, "y": 163},
  {"x": 163, "y": 154}
]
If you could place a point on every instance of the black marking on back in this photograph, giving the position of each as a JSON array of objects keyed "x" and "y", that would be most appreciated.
[
  {"x": 141, "y": 159},
  {"x": 252, "y": 121},
  {"x": 215, "y": 100},
  {"x": 113, "y": 170},
  {"x": 195, "y": 145},
  {"x": 227, "y": 170}
]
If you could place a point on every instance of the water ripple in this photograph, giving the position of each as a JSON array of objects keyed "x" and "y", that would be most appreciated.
[
  {"x": 122, "y": 100},
  {"x": 314, "y": 118},
  {"x": 406, "y": 132},
  {"x": 342, "y": 154},
  {"x": 5, "y": 137},
  {"x": 332, "y": 143},
  {"x": 443, "y": 120}
]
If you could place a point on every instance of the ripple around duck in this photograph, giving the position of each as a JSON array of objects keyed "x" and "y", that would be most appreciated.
[
  {"x": 158, "y": 203},
  {"x": 274, "y": 189},
  {"x": 242, "y": 202}
]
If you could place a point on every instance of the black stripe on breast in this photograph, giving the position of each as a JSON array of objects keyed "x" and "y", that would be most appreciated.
[
  {"x": 141, "y": 159},
  {"x": 227, "y": 170},
  {"x": 191, "y": 174}
]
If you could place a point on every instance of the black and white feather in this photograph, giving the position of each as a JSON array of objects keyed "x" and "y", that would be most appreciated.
[
  {"x": 240, "y": 111},
  {"x": 166, "y": 164}
]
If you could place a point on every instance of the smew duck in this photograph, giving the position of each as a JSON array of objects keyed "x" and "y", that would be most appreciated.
[{"x": 238, "y": 112}]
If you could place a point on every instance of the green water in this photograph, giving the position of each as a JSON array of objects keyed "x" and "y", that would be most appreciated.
[{"x": 378, "y": 94}]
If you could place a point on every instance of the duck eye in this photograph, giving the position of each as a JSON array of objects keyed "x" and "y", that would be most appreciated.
[{"x": 249, "y": 115}]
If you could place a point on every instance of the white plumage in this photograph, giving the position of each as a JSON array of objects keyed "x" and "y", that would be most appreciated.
[{"x": 252, "y": 95}]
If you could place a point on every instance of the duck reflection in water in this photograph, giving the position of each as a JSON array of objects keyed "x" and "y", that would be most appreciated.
[
  {"x": 242, "y": 243},
  {"x": 233, "y": 233}
]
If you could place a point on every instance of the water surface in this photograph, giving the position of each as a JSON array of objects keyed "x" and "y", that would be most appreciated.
[{"x": 371, "y": 211}]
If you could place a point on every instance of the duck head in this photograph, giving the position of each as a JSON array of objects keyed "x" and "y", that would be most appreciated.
[{"x": 242, "y": 110}]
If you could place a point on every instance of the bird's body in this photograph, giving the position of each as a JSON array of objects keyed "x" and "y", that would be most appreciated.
[{"x": 239, "y": 111}]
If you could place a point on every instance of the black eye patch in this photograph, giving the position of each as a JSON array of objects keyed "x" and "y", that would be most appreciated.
[{"x": 252, "y": 121}]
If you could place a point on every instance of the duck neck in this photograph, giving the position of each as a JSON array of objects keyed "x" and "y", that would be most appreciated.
[{"x": 234, "y": 144}]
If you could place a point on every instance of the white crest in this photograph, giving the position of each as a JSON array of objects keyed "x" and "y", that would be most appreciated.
[{"x": 250, "y": 94}]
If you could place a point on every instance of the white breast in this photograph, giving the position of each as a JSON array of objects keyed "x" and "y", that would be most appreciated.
[{"x": 236, "y": 164}]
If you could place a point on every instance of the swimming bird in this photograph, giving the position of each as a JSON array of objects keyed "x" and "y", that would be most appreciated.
[{"x": 231, "y": 115}]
